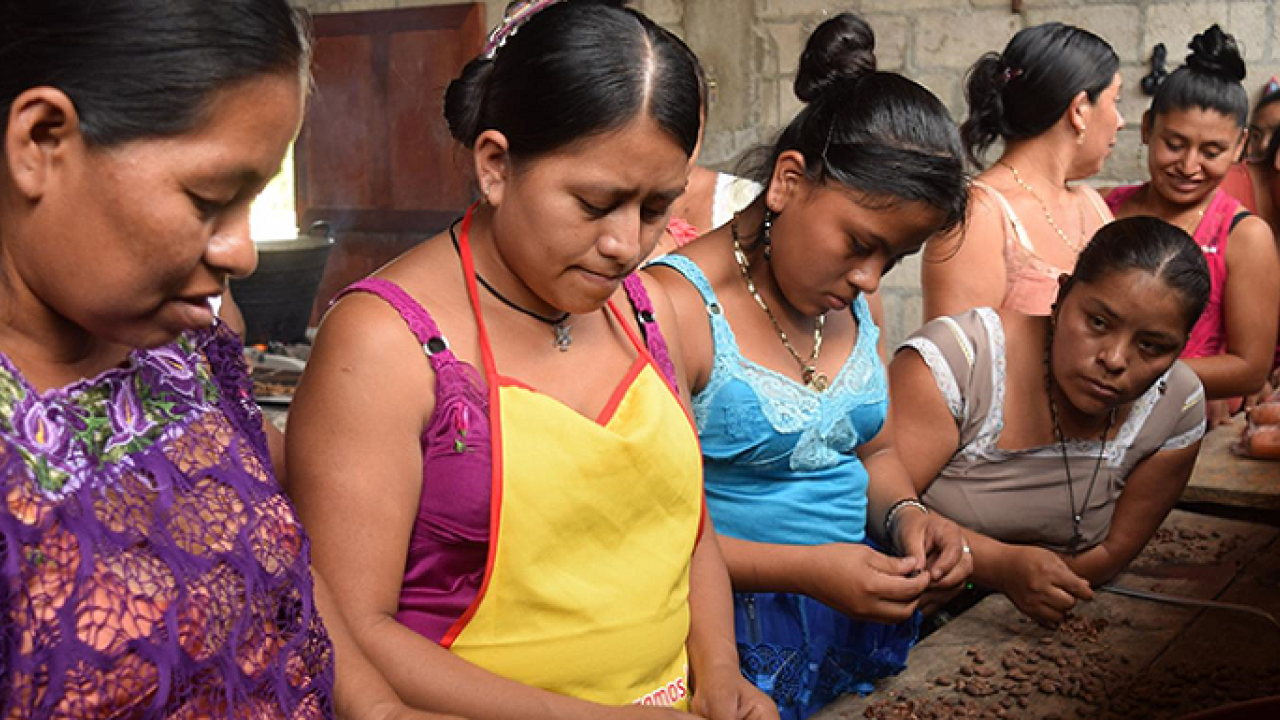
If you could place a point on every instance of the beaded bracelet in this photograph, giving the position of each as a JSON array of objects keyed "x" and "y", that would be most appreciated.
[{"x": 892, "y": 514}]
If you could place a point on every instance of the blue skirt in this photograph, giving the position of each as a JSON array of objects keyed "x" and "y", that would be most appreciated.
[{"x": 804, "y": 655}]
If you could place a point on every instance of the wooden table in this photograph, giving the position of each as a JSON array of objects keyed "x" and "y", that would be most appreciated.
[
  {"x": 1119, "y": 657},
  {"x": 1224, "y": 478}
]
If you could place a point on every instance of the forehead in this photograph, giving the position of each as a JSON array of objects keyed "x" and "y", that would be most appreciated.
[
  {"x": 639, "y": 155},
  {"x": 903, "y": 225},
  {"x": 1268, "y": 115},
  {"x": 248, "y": 125},
  {"x": 1198, "y": 122},
  {"x": 1138, "y": 297}
]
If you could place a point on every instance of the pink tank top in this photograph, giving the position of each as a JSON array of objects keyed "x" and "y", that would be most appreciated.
[
  {"x": 1031, "y": 283},
  {"x": 449, "y": 544},
  {"x": 1209, "y": 336}
]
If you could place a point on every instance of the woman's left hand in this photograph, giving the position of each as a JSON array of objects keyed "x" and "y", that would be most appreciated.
[
  {"x": 722, "y": 693},
  {"x": 938, "y": 545}
]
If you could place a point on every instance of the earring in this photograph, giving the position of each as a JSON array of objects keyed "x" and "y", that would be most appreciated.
[{"x": 766, "y": 229}]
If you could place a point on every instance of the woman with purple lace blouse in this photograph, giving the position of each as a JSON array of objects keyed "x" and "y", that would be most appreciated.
[{"x": 150, "y": 565}]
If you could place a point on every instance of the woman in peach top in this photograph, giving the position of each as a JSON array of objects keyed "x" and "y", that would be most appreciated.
[{"x": 1051, "y": 98}]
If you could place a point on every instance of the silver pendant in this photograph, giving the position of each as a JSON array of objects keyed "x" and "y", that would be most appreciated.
[{"x": 563, "y": 337}]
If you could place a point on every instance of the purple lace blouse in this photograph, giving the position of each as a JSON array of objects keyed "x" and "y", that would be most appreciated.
[
  {"x": 449, "y": 544},
  {"x": 152, "y": 566}
]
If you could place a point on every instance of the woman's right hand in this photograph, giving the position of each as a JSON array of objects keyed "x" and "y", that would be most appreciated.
[
  {"x": 863, "y": 583},
  {"x": 1041, "y": 585}
]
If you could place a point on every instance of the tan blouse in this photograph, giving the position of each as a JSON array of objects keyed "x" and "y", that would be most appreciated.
[{"x": 1021, "y": 496}]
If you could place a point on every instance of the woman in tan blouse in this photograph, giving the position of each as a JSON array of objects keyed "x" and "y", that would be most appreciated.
[{"x": 1061, "y": 442}]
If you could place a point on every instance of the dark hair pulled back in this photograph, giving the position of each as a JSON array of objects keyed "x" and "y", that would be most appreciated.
[
  {"x": 1210, "y": 79},
  {"x": 143, "y": 68},
  {"x": 876, "y": 133},
  {"x": 1023, "y": 91},
  {"x": 1150, "y": 245},
  {"x": 575, "y": 69}
]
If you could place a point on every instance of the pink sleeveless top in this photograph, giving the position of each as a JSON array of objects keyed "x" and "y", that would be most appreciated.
[
  {"x": 1031, "y": 282},
  {"x": 449, "y": 544},
  {"x": 1209, "y": 336}
]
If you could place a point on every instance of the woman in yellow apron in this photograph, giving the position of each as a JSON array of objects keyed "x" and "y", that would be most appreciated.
[{"x": 506, "y": 488}]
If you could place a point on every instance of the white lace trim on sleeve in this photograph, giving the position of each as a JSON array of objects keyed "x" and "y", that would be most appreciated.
[{"x": 942, "y": 374}]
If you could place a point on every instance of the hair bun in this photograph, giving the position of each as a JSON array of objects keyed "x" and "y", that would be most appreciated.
[
  {"x": 1216, "y": 53},
  {"x": 842, "y": 48}
]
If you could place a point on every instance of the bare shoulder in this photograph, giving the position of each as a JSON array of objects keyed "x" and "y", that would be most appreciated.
[
  {"x": 675, "y": 289},
  {"x": 364, "y": 352},
  {"x": 658, "y": 293},
  {"x": 1091, "y": 194},
  {"x": 1253, "y": 234},
  {"x": 682, "y": 316},
  {"x": 981, "y": 234}
]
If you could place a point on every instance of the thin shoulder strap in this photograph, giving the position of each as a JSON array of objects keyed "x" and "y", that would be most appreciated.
[
  {"x": 723, "y": 341},
  {"x": 1098, "y": 204},
  {"x": 414, "y": 315},
  {"x": 653, "y": 339},
  {"x": 1019, "y": 231},
  {"x": 691, "y": 272}
]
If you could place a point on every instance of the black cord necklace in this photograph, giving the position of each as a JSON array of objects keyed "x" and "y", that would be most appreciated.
[
  {"x": 1077, "y": 515},
  {"x": 562, "y": 329}
]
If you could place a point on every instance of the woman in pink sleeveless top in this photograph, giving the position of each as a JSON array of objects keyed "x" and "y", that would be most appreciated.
[
  {"x": 1256, "y": 184},
  {"x": 1051, "y": 97},
  {"x": 1194, "y": 130}
]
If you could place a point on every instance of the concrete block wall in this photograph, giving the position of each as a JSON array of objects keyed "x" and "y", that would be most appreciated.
[
  {"x": 751, "y": 49},
  {"x": 935, "y": 41}
]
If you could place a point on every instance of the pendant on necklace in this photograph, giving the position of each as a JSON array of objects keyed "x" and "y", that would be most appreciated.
[
  {"x": 814, "y": 380},
  {"x": 563, "y": 337}
]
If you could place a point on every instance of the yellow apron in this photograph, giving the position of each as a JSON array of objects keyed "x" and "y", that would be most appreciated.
[{"x": 592, "y": 527}]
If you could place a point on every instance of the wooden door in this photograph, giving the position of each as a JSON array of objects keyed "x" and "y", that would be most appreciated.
[{"x": 374, "y": 158}]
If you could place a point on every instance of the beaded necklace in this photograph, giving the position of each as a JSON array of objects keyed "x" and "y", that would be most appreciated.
[{"x": 812, "y": 377}]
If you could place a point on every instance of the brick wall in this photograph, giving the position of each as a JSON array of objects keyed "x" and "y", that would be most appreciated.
[
  {"x": 934, "y": 42},
  {"x": 751, "y": 48}
]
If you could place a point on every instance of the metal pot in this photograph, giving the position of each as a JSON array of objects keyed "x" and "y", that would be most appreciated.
[{"x": 276, "y": 300}]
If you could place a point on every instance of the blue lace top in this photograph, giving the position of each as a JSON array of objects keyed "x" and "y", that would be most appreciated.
[{"x": 780, "y": 459}]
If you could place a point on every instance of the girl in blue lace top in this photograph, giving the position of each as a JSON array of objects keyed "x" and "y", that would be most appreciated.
[{"x": 790, "y": 396}]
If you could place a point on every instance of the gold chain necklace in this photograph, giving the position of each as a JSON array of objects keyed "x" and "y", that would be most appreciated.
[
  {"x": 1076, "y": 246},
  {"x": 813, "y": 379}
]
